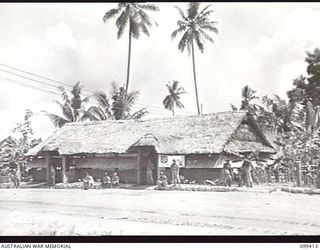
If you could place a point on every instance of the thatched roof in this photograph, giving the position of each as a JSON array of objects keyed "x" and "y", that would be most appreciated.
[{"x": 206, "y": 134}]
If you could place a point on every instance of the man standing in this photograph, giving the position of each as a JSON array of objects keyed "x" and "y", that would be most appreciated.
[
  {"x": 150, "y": 168},
  {"x": 227, "y": 173},
  {"x": 17, "y": 178},
  {"x": 248, "y": 169},
  {"x": 175, "y": 172},
  {"x": 52, "y": 176},
  {"x": 115, "y": 180}
]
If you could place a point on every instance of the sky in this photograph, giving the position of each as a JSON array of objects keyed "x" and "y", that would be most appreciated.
[{"x": 262, "y": 45}]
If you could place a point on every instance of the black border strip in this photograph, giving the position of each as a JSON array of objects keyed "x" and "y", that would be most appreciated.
[{"x": 160, "y": 239}]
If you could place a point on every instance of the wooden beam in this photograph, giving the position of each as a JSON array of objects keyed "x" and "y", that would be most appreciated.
[
  {"x": 139, "y": 167},
  {"x": 64, "y": 166},
  {"x": 47, "y": 166},
  {"x": 158, "y": 168}
]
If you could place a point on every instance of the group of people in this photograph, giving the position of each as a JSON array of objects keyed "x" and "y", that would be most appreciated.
[
  {"x": 110, "y": 182},
  {"x": 243, "y": 177},
  {"x": 163, "y": 180},
  {"x": 107, "y": 181}
]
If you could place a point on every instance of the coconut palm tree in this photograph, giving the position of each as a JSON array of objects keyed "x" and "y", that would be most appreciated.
[
  {"x": 173, "y": 99},
  {"x": 134, "y": 16},
  {"x": 72, "y": 108},
  {"x": 115, "y": 109},
  {"x": 194, "y": 25}
]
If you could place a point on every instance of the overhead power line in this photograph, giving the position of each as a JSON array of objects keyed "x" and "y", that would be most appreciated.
[
  {"x": 151, "y": 107},
  {"x": 43, "y": 77},
  {"x": 30, "y": 86},
  {"x": 55, "y": 93}
]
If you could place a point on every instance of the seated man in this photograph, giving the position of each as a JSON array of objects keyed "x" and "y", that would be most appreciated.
[
  {"x": 162, "y": 182},
  {"x": 88, "y": 181},
  {"x": 106, "y": 181},
  {"x": 115, "y": 180}
]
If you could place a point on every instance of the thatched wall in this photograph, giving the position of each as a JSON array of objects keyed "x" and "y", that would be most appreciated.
[{"x": 110, "y": 163}]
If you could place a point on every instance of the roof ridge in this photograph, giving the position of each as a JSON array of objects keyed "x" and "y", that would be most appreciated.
[{"x": 154, "y": 119}]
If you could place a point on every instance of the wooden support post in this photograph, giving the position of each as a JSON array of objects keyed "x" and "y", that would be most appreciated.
[
  {"x": 139, "y": 167},
  {"x": 299, "y": 174},
  {"x": 158, "y": 168},
  {"x": 64, "y": 166},
  {"x": 47, "y": 166}
]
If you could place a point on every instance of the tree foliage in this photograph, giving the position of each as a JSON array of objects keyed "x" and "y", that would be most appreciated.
[
  {"x": 115, "y": 107},
  {"x": 194, "y": 26},
  {"x": 133, "y": 15},
  {"x": 71, "y": 107},
  {"x": 172, "y": 100},
  {"x": 13, "y": 149}
]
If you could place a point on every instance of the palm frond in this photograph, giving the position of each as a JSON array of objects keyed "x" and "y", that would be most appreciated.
[
  {"x": 76, "y": 89},
  {"x": 144, "y": 18},
  {"x": 94, "y": 114},
  {"x": 168, "y": 102},
  {"x": 64, "y": 94},
  {"x": 181, "y": 91},
  {"x": 183, "y": 16},
  {"x": 151, "y": 7},
  {"x": 179, "y": 104},
  {"x": 122, "y": 22},
  {"x": 210, "y": 27},
  {"x": 203, "y": 12},
  {"x": 101, "y": 98},
  {"x": 57, "y": 120},
  {"x": 70, "y": 111},
  {"x": 198, "y": 41},
  {"x": 205, "y": 16},
  {"x": 132, "y": 98},
  {"x": 144, "y": 29},
  {"x": 139, "y": 114},
  {"x": 66, "y": 110},
  {"x": 110, "y": 14},
  {"x": 177, "y": 31},
  {"x": 206, "y": 36},
  {"x": 135, "y": 29},
  {"x": 175, "y": 85},
  {"x": 183, "y": 43}
]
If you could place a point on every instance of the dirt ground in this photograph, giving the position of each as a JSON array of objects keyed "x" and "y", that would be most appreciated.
[{"x": 148, "y": 212}]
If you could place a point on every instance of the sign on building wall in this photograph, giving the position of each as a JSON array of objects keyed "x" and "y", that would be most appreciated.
[{"x": 165, "y": 161}]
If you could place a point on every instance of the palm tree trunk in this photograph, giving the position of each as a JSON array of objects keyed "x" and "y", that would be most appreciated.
[
  {"x": 195, "y": 78},
  {"x": 173, "y": 110},
  {"x": 129, "y": 59},
  {"x": 128, "y": 73}
]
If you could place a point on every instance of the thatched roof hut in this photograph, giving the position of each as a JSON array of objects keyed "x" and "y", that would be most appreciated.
[{"x": 231, "y": 132}]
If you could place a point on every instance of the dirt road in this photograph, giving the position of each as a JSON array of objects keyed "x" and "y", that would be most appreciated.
[{"x": 146, "y": 212}]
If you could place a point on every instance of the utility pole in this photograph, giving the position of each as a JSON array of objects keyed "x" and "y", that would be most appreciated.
[{"x": 201, "y": 109}]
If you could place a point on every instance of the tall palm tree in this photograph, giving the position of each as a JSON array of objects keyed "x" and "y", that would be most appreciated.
[
  {"x": 134, "y": 16},
  {"x": 115, "y": 109},
  {"x": 72, "y": 108},
  {"x": 194, "y": 26},
  {"x": 173, "y": 99}
]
